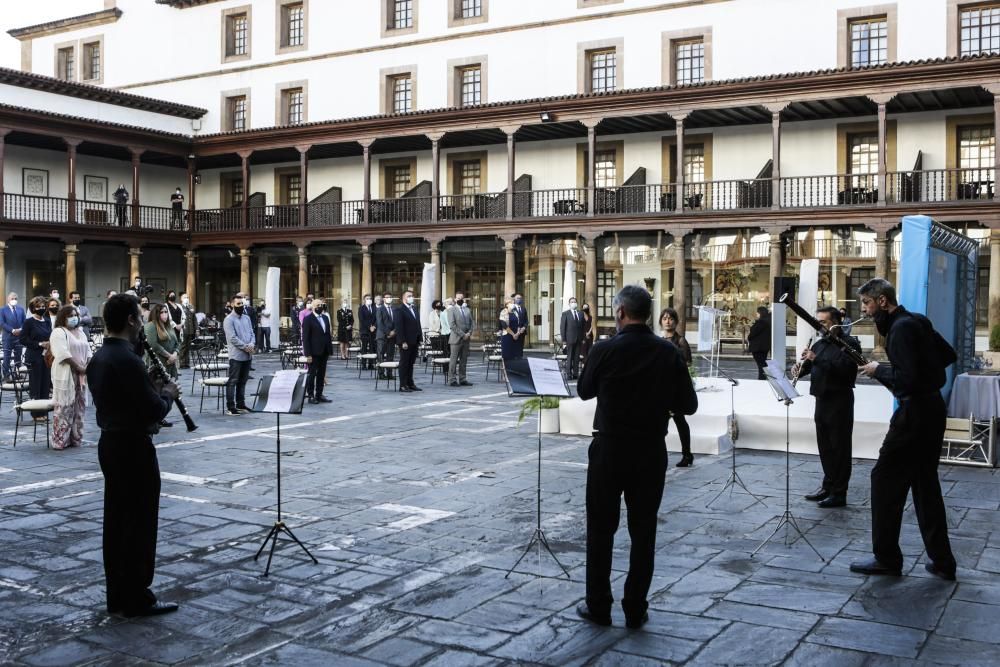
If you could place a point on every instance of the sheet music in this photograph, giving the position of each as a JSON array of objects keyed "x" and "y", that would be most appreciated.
[
  {"x": 776, "y": 373},
  {"x": 547, "y": 377},
  {"x": 279, "y": 394}
]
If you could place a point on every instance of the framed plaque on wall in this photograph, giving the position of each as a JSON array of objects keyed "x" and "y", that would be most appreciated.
[{"x": 35, "y": 182}]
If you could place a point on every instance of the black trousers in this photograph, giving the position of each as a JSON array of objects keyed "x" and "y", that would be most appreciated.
[
  {"x": 316, "y": 378},
  {"x": 908, "y": 460},
  {"x": 684, "y": 433},
  {"x": 761, "y": 359},
  {"x": 131, "y": 510},
  {"x": 834, "y": 417},
  {"x": 39, "y": 378},
  {"x": 407, "y": 359},
  {"x": 121, "y": 214},
  {"x": 636, "y": 470},
  {"x": 236, "y": 387},
  {"x": 573, "y": 358},
  {"x": 367, "y": 347},
  {"x": 12, "y": 351}
]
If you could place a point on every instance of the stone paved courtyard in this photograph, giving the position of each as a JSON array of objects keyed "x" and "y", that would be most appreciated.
[{"x": 416, "y": 505}]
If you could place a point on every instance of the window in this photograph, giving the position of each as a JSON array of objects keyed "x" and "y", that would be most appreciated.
[
  {"x": 471, "y": 9},
  {"x": 401, "y": 89},
  {"x": 603, "y": 70},
  {"x": 869, "y": 41},
  {"x": 293, "y": 106},
  {"x": 855, "y": 279},
  {"x": 470, "y": 85},
  {"x": 291, "y": 188},
  {"x": 398, "y": 180},
  {"x": 979, "y": 30},
  {"x": 293, "y": 25},
  {"x": 606, "y": 290},
  {"x": 237, "y": 35},
  {"x": 236, "y": 113},
  {"x": 402, "y": 14},
  {"x": 689, "y": 61},
  {"x": 92, "y": 61},
  {"x": 694, "y": 163},
  {"x": 468, "y": 177},
  {"x": 862, "y": 159},
  {"x": 232, "y": 192},
  {"x": 605, "y": 169},
  {"x": 467, "y": 12},
  {"x": 66, "y": 64},
  {"x": 976, "y": 149}
]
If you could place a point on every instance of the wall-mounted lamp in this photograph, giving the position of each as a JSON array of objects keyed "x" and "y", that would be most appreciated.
[
  {"x": 545, "y": 117},
  {"x": 197, "y": 179}
]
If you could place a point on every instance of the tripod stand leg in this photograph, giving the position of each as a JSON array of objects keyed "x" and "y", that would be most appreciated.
[
  {"x": 272, "y": 531},
  {"x": 781, "y": 522},
  {"x": 545, "y": 543},
  {"x": 302, "y": 546},
  {"x": 270, "y": 554},
  {"x": 527, "y": 549},
  {"x": 795, "y": 526}
]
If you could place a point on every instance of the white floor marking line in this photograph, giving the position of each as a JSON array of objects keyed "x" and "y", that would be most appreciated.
[
  {"x": 417, "y": 516},
  {"x": 24, "y": 588},
  {"x": 3, "y": 470},
  {"x": 200, "y": 501},
  {"x": 74, "y": 495},
  {"x": 50, "y": 483},
  {"x": 186, "y": 479}
]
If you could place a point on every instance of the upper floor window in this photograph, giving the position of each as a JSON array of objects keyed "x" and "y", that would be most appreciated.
[
  {"x": 293, "y": 25},
  {"x": 976, "y": 149},
  {"x": 92, "y": 61},
  {"x": 603, "y": 67},
  {"x": 66, "y": 64},
  {"x": 237, "y": 35},
  {"x": 605, "y": 169},
  {"x": 869, "y": 41},
  {"x": 471, "y": 9},
  {"x": 863, "y": 154},
  {"x": 291, "y": 189},
  {"x": 402, "y": 14},
  {"x": 468, "y": 177},
  {"x": 236, "y": 113},
  {"x": 401, "y": 90},
  {"x": 398, "y": 180},
  {"x": 470, "y": 85},
  {"x": 467, "y": 12},
  {"x": 689, "y": 61},
  {"x": 979, "y": 30},
  {"x": 694, "y": 163},
  {"x": 293, "y": 106}
]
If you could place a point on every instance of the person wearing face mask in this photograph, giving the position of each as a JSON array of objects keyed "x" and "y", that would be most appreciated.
[
  {"x": 461, "y": 326},
  {"x": 511, "y": 328},
  {"x": 668, "y": 326},
  {"x": 908, "y": 459},
  {"x": 52, "y": 309},
  {"x": 70, "y": 354},
  {"x": 385, "y": 334},
  {"x": 571, "y": 331},
  {"x": 306, "y": 312},
  {"x": 241, "y": 345},
  {"x": 54, "y": 295},
  {"x": 589, "y": 325},
  {"x": 345, "y": 327},
  {"x": 296, "y": 320},
  {"x": 264, "y": 329},
  {"x": 448, "y": 304},
  {"x": 317, "y": 346},
  {"x": 144, "y": 308},
  {"x": 35, "y": 334},
  {"x": 176, "y": 314},
  {"x": 638, "y": 379},
  {"x": 366, "y": 321},
  {"x": 11, "y": 320},
  {"x": 86, "y": 319},
  {"x": 121, "y": 205},
  {"x": 522, "y": 317},
  {"x": 177, "y": 210},
  {"x": 128, "y": 408},
  {"x": 162, "y": 339},
  {"x": 434, "y": 325},
  {"x": 408, "y": 334},
  {"x": 189, "y": 327}
]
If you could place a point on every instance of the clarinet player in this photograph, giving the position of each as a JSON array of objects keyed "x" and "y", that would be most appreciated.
[{"x": 832, "y": 373}]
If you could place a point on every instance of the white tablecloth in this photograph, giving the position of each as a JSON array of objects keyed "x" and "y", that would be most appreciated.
[{"x": 978, "y": 395}]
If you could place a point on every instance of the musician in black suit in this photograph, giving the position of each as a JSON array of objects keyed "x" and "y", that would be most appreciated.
[
  {"x": 759, "y": 340},
  {"x": 571, "y": 328},
  {"x": 832, "y": 373},
  {"x": 385, "y": 333},
  {"x": 317, "y": 346},
  {"x": 408, "y": 334},
  {"x": 366, "y": 319}
]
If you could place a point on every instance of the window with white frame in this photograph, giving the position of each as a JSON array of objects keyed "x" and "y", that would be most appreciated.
[
  {"x": 399, "y": 178},
  {"x": 401, "y": 93},
  {"x": 237, "y": 35},
  {"x": 293, "y": 24},
  {"x": 606, "y": 169},
  {"x": 236, "y": 113},
  {"x": 689, "y": 61},
  {"x": 603, "y": 67},
  {"x": 979, "y": 30},
  {"x": 66, "y": 63},
  {"x": 92, "y": 61},
  {"x": 468, "y": 177},
  {"x": 862, "y": 161},
  {"x": 694, "y": 163},
  {"x": 869, "y": 40},
  {"x": 470, "y": 82}
]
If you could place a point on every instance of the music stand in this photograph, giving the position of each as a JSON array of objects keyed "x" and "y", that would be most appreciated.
[
  {"x": 785, "y": 393},
  {"x": 734, "y": 482},
  {"x": 282, "y": 393},
  {"x": 541, "y": 378}
]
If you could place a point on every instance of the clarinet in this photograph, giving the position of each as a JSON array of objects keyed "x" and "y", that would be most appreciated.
[
  {"x": 797, "y": 368},
  {"x": 157, "y": 367}
]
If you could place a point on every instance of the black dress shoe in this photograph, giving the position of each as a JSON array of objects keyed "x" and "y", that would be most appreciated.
[
  {"x": 947, "y": 575},
  {"x": 832, "y": 501},
  {"x": 583, "y": 611},
  {"x": 156, "y": 609},
  {"x": 818, "y": 494},
  {"x": 414, "y": 387},
  {"x": 686, "y": 460},
  {"x": 465, "y": 383},
  {"x": 165, "y": 423},
  {"x": 872, "y": 566},
  {"x": 452, "y": 384},
  {"x": 636, "y": 623},
  {"x": 406, "y": 390},
  {"x": 313, "y": 401},
  {"x": 323, "y": 399}
]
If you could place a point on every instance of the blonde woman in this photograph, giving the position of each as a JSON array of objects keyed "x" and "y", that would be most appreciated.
[{"x": 70, "y": 355}]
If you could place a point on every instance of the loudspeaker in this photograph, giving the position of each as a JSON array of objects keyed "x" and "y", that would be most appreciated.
[{"x": 783, "y": 285}]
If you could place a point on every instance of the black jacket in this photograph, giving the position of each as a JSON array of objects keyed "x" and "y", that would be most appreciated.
[
  {"x": 759, "y": 338},
  {"x": 366, "y": 318},
  {"x": 571, "y": 329},
  {"x": 407, "y": 326},
  {"x": 638, "y": 379},
  {"x": 916, "y": 365},
  {"x": 124, "y": 396},
  {"x": 832, "y": 371},
  {"x": 315, "y": 341}
]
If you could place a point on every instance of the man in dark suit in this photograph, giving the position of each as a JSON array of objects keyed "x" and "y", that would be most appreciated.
[
  {"x": 522, "y": 317},
  {"x": 11, "y": 321},
  {"x": 317, "y": 346},
  {"x": 571, "y": 329},
  {"x": 408, "y": 335},
  {"x": 366, "y": 317},
  {"x": 385, "y": 333},
  {"x": 759, "y": 340}
]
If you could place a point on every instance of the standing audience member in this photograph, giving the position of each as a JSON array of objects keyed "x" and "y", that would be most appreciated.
[
  {"x": 449, "y": 303},
  {"x": 264, "y": 329},
  {"x": 190, "y": 330},
  {"x": 177, "y": 210},
  {"x": 366, "y": 319},
  {"x": 176, "y": 315},
  {"x": 144, "y": 308},
  {"x": 434, "y": 325},
  {"x": 128, "y": 410},
  {"x": 162, "y": 339},
  {"x": 317, "y": 346},
  {"x": 513, "y": 329},
  {"x": 345, "y": 327},
  {"x": 461, "y": 325},
  {"x": 121, "y": 205},
  {"x": 35, "y": 335},
  {"x": 668, "y": 324},
  {"x": 522, "y": 317},
  {"x": 240, "y": 343},
  {"x": 588, "y": 332},
  {"x": 86, "y": 319},
  {"x": 303, "y": 314},
  {"x": 638, "y": 380},
  {"x": 759, "y": 340},
  {"x": 408, "y": 333},
  {"x": 11, "y": 321},
  {"x": 70, "y": 354},
  {"x": 385, "y": 334},
  {"x": 53, "y": 310},
  {"x": 571, "y": 331},
  {"x": 296, "y": 321}
]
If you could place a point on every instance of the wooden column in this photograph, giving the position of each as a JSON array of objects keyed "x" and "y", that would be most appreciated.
[
  {"x": 244, "y": 212},
  {"x": 590, "y": 277},
  {"x": 680, "y": 279},
  {"x": 191, "y": 170},
  {"x": 679, "y": 117},
  {"x": 133, "y": 263},
  {"x": 71, "y": 145},
  {"x": 3, "y": 213},
  {"x": 435, "y": 174},
  {"x": 244, "y": 270},
  {"x": 775, "y": 155},
  {"x": 882, "y": 268},
  {"x": 303, "y": 184},
  {"x": 591, "y": 124},
  {"x": 366, "y": 161},
  {"x": 303, "y": 252},
  {"x": 435, "y": 243},
  {"x": 996, "y": 153},
  {"x": 366, "y": 266},
  {"x": 70, "y": 249},
  {"x": 191, "y": 281},
  {"x": 882, "y": 150},
  {"x": 509, "y": 265},
  {"x": 136, "y": 168},
  {"x": 510, "y": 131}
]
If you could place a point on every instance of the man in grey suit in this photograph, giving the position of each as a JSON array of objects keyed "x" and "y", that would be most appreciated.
[
  {"x": 460, "y": 322},
  {"x": 385, "y": 333},
  {"x": 571, "y": 331}
]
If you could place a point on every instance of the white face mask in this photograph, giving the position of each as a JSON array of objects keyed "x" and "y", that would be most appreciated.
[
  {"x": 345, "y": 305},
  {"x": 409, "y": 300},
  {"x": 186, "y": 301},
  {"x": 572, "y": 305},
  {"x": 368, "y": 302},
  {"x": 13, "y": 302}
]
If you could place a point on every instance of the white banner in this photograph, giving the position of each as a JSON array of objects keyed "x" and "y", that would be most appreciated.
[
  {"x": 569, "y": 286},
  {"x": 706, "y": 329},
  {"x": 273, "y": 302},
  {"x": 806, "y": 296},
  {"x": 428, "y": 288}
]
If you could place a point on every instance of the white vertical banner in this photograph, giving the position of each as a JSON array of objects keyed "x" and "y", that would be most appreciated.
[
  {"x": 569, "y": 283},
  {"x": 706, "y": 329},
  {"x": 428, "y": 288},
  {"x": 806, "y": 296},
  {"x": 272, "y": 299}
]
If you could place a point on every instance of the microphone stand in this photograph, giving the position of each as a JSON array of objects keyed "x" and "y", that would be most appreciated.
[{"x": 734, "y": 482}]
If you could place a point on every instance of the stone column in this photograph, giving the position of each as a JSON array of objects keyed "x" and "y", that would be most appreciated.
[
  {"x": 191, "y": 281},
  {"x": 244, "y": 270},
  {"x": 775, "y": 110},
  {"x": 366, "y": 160},
  {"x": 777, "y": 266},
  {"x": 366, "y": 266},
  {"x": 245, "y": 170},
  {"x": 303, "y": 252},
  {"x": 71, "y": 145},
  {"x": 435, "y": 138},
  {"x": 70, "y": 249},
  {"x": 435, "y": 243},
  {"x": 136, "y": 168},
  {"x": 509, "y": 265},
  {"x": 994, "y": 313},
  {"x": 304, "y": 183},
  {"x": 3, "y": 133},
  {"x": 680, "y": 279},
  {"x": 133, "y": 263},
  {"x": 590, "y": 277},
  {"x": 679, "y": 117}
]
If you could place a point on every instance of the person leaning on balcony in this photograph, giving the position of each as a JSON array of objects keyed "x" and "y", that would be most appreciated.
[
  {"x": 70, "y": 354},
  {"x": 35, "y": 335},
  {"x": 121, "y": 205},
  {"x": 759, "y": 340}
]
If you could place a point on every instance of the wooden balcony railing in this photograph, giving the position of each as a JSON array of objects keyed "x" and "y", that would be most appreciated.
[
  {"x": 829, "y": 248},
  {"x": 939, "y": 185},
  {"x": 821, "y": 191}
]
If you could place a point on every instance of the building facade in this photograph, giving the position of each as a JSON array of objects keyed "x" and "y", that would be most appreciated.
[{"x": 569, "y": 147}]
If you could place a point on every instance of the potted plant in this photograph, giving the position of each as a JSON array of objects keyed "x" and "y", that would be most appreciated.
[
  {"x": 994, "y": 351},
  {"x": 549, "y": 406}
]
